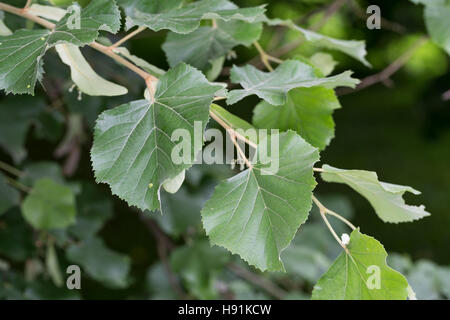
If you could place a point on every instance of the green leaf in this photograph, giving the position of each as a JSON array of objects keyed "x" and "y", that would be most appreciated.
[
  {"x": 308, "y": 111},
  {"x": 49, "y": 205},
  {"x": 437, "y": 20},
  {"x": 274, "y": 86},
  {"x": 305, "y": 262},
  {"x": 353, "y": 277},
  {"x": 149, "y": 6},
  {"x": 187, "y": 19},
  {"x": 39, "y": 170},
  {"x": 17, "y": 114},
  {"x": 324, "y": 62},
  {"x": 21, "y": 53},
  {"x": 387, "y": 199},
  {"x": 52, "y": 264},
  {"x": 101, "y": 263},
  {"x": 94, "y": 208},
  {"x": 132, "y": 143},
  {"x": 353, "y": 48},
  {"x": 9, "y": 197},
  {"x": 16, "y": 237},
  {"x": 257, "y": 212},
  {"x": 234, "y": 122},
  {"x": 198, "y": 265},
  {"x": 153, "y": 70},
  {"x": 98, "y": 15},
  {"x": 201, "y": 47},
  {"x": 181, "y": 211},
  {"x": 158, "y": 283},
  {"x": 86, "y": 79},
  {"x": 21, "y": 60}
]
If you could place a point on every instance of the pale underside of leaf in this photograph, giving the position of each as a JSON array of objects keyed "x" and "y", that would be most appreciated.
[
  {"x": 387, "y": 199},
  {"x": 86, "y": 79},
  {"x": 274, "y": 86},
  {"x": 353, "y": 48}
]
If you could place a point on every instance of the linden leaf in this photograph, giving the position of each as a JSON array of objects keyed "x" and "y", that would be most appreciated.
[
  {"x": 186, "y": 19},
  {"x": 353, "y": 48},
  {"x": 21, "y": 53},
  {"x": 308, "y": 111},
  {"x": 387, "y": 199},
  {"x": 49, "y": 205},
  {"x": 361, "y": 273},
  {"x": 132, "y": 143},
  {"x": 204, "y": 45},
  {"x": 274, "y": 86},
  {"x": 257, "y": 212}
]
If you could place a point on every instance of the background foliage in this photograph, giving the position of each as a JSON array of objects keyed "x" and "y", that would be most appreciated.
[{"x": 400, "y": 129}]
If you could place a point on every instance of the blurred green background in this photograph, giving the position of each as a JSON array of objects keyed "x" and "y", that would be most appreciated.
[{"x": 402, "y": 132}]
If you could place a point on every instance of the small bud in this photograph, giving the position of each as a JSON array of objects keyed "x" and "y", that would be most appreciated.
[{"x": 345, "y": 239}]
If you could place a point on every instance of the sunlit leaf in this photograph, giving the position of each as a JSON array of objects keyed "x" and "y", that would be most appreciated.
[{"x": 49, "y": 205}]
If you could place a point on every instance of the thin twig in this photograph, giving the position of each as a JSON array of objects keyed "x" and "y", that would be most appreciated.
[
  {"x": 258, "y": 281},
  {"x": 338, "y": 216},
  {"x": 18, "y": 185},
  {"x": 10, "y": 169},
  {"x": 126, "y": 38},
  {"x": 329, "y": 12},
  {"x": 263, "y": 56},
  {"x": 164, "y": 246},
  {"x": 323, "y": 211},
  {"x": 331, "y": 212},
  {"x": 238, "y": 147},
  {"x": 27, "y": 4},
  {"x": 332, "y": 9},
  {"x": 227, "y": 127},
  {"x": 389, "y": 71}
]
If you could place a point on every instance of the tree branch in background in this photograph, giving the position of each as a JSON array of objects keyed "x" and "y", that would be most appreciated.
[
  {"x": 385, "y": 75},
  {"x": 258, "y": 281},
  {"x": 164, "y": 246},
  {"x": 330, "y": 11}
]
